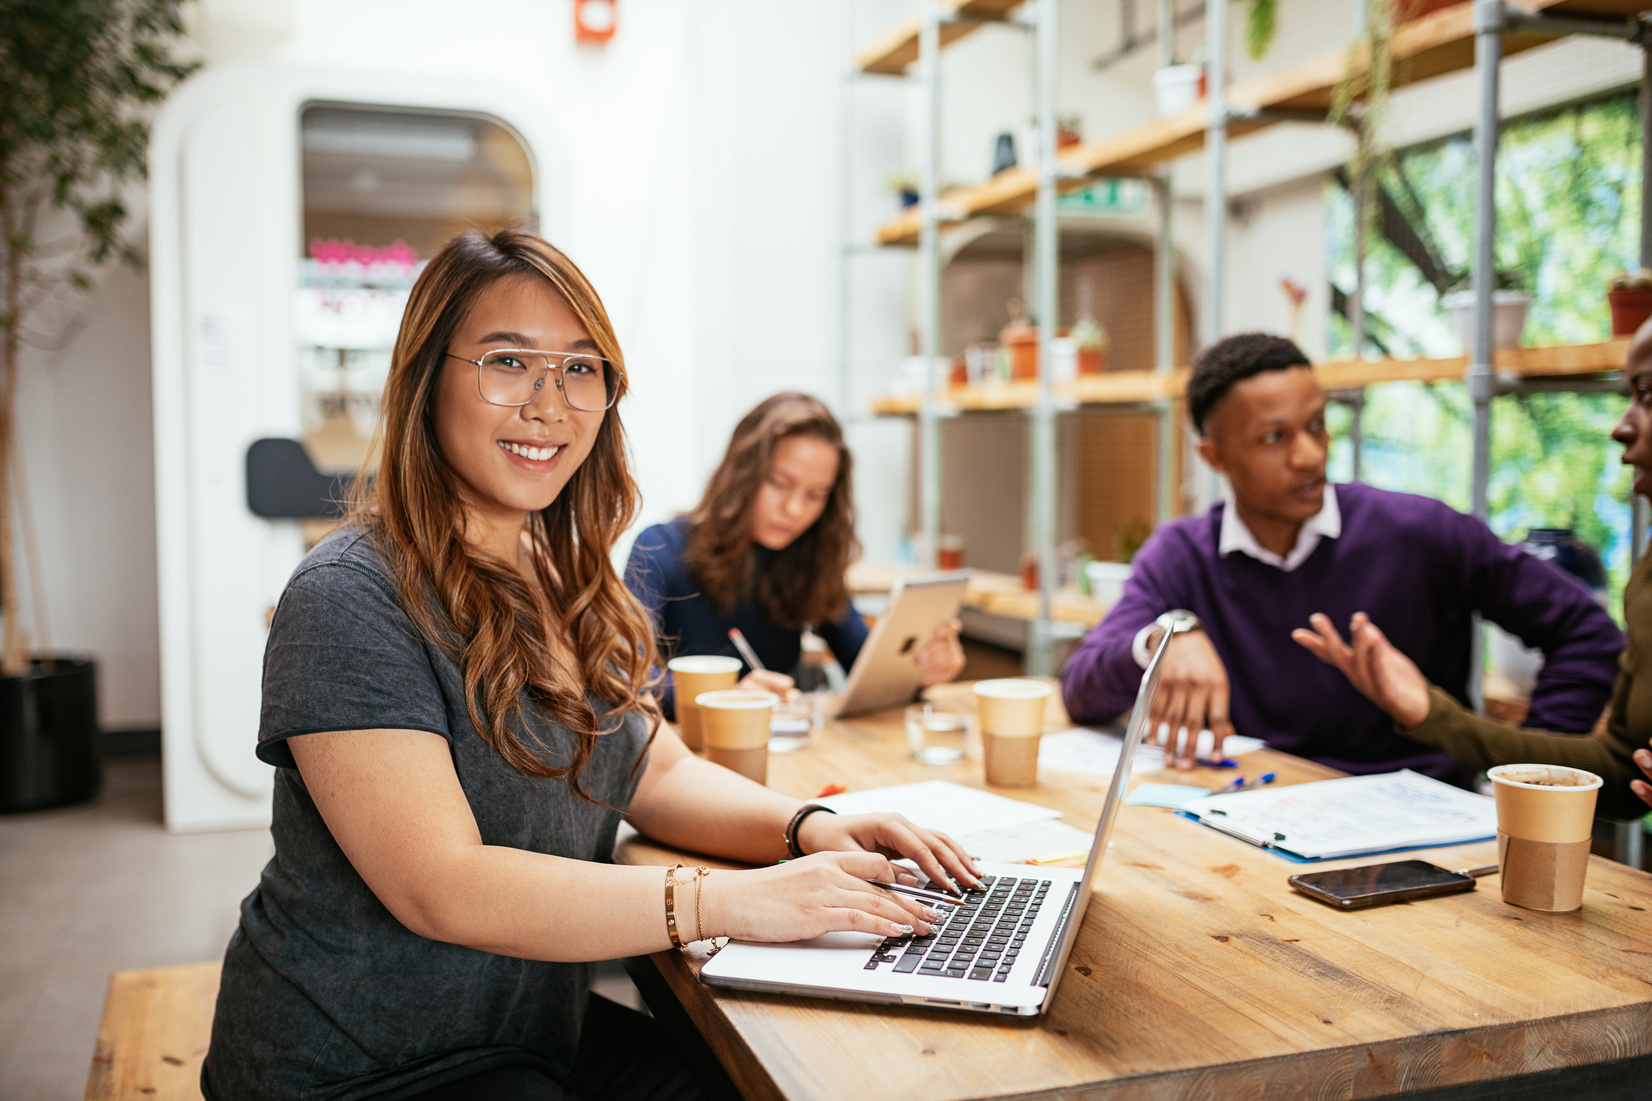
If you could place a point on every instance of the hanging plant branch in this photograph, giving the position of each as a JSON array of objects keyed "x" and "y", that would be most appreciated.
[
  {"x": 1261, "y": 27},
  {"x": 79, "y": 80}
]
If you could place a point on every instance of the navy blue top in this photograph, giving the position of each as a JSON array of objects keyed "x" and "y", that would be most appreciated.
[
  {"x": 686, "y": 620},
  {"x": 1417, "y": 566}
]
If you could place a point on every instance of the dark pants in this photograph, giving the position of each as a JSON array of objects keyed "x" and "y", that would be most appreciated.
[{"x": 623, "y": 1056}]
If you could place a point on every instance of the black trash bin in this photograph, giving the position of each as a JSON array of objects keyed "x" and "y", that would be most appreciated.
[{"x": 49, "y": 734}]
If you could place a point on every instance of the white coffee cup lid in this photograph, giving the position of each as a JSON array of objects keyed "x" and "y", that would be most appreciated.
[
  {"x": 704, "y": 663},
  {"x": 1012, "y": 688},
  {"x": 736, "y": 699}
]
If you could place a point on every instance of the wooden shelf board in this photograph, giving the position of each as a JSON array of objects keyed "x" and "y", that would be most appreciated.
[
  {"x": 1127, "y": 387},
  {"x": 1436, "y": 44},
  {"x": 893, "y": 52}
]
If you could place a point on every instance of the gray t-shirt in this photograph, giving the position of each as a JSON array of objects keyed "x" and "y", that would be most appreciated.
[{"x": 325, "y": 995}]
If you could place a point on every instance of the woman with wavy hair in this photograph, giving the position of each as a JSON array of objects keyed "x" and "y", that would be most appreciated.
[
  {"x": 456, "y": 701},
  {"x": 766, "y": 550}
]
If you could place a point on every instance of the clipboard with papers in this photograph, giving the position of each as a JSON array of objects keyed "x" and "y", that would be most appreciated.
[{"x": 1352, "y": 816}]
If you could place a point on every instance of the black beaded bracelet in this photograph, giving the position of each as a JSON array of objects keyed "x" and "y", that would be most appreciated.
[{"x": 793, "y": 849}]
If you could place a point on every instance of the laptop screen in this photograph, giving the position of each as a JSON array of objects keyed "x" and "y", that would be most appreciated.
[{"x": 1115, "y": 798}]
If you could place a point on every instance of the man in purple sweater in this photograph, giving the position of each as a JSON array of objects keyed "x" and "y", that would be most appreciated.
[{"x": 1233, "y": 583}]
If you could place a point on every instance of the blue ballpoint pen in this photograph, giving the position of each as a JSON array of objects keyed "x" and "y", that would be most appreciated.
[{"x": 1242, "y": 783}]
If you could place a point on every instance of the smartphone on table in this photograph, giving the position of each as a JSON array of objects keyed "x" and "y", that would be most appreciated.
[{"x": 1379, "y": 884}]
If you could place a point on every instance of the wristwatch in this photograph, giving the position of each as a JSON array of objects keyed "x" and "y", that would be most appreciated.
[{"x": 1176, "y": 621}]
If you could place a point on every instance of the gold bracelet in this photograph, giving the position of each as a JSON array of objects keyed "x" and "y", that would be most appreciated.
[
  {"x": 700, "y": 873},
  {"x": 671, "y": 905}
]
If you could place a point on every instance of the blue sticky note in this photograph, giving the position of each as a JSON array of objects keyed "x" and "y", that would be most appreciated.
[{"x": 1165, "y": 795}]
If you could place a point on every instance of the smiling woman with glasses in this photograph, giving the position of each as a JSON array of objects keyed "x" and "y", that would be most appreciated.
[
  {"x": 456, "y": 698},
  {"x": 514, "y": 376}
]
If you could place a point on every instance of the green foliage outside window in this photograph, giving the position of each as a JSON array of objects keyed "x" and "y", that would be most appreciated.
[{"x": 1568, "y": 202}]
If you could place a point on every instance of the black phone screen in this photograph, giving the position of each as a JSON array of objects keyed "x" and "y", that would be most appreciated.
[{"x": 1377, "y": 883}]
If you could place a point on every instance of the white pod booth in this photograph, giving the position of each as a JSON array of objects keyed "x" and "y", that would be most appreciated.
[{"x": 289, "y": 213}]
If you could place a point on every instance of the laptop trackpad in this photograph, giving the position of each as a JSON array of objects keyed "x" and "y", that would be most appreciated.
[{"x": 834, "y": 954}]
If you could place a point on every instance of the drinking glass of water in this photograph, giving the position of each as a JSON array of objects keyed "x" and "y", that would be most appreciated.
[{"x": 936, "y": 734}]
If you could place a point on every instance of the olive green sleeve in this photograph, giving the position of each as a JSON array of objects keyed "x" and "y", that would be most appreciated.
[{"x": 1480, "y": 742}]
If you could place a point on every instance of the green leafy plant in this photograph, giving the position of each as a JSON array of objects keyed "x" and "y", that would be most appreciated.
[
  {"x": 1261, "y": 27},
  {"x": 1130, "y": 538},
  {"x": 78, "y": 80}
]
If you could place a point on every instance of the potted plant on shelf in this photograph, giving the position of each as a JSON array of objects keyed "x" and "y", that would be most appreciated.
[
  {"x": 76, "y": 89},
  {"x": 1630, "y": 296},
  {"x": 1509, "y": 303}
]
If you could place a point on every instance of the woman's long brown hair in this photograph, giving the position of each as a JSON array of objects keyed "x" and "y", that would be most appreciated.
[
  {"x": 481, "y": 609},
  {"x": 804, "y": 583}
]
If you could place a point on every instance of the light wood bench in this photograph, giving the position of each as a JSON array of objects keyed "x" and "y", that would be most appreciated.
[{"x": 154, "y": 1033}]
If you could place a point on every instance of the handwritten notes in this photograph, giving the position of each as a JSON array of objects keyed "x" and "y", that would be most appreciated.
[{"x": 1354, "y": 816}]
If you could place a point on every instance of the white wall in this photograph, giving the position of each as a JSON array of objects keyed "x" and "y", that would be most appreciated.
[
  {"x": 698, "y": 187},
  {"x": 86, "y": 443}
]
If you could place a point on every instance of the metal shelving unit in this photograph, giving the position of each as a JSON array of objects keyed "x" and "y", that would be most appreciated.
[{"x": 1476, "y": 33}]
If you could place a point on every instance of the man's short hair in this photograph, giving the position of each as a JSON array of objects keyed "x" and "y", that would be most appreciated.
[{"x": 1235, "y": 359}]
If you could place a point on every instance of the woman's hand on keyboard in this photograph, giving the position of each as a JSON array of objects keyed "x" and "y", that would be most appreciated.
[
  {"x": 799, "y": 899},
  {"x": 938, "y": 856}
]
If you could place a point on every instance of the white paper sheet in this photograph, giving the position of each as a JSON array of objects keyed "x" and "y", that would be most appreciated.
[
  {"x": 1042, "y": 840},
  {"x": 1353, "y": 816},
  {"x": 1084, "y": 749},
  {"x": 940, "y": 805}
]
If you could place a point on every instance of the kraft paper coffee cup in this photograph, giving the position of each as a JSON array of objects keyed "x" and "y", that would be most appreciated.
[
  {"x": 1011, "y": 716},
  {"x": 1545, "y": 818},
  {"x": 690, "y": 676},
  {"x": 735, "y": 725}
]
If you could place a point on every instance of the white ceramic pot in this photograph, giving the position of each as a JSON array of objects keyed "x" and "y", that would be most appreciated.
[
  {"x": 1107, "y": 581},
  {"x": 1176, "y": 88},
  {"x": 1508, "y": 319}
]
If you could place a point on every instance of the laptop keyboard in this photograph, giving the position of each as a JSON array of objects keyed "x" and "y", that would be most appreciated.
[{"x": 980, "y": 939}]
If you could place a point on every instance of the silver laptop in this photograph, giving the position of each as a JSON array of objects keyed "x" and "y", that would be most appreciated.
[
  {"x": 1002, "y": 951},
  {"x": 885, "y": 672}
]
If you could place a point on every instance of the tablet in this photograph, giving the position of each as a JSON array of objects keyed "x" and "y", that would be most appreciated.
[{"x": 886, "y": 671}]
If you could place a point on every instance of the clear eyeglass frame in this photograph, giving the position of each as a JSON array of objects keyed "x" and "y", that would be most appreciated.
[{"x": 610, "y": 381}]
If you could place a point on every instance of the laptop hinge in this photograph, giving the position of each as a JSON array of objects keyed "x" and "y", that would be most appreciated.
[{"x": 1047, "y": 965}]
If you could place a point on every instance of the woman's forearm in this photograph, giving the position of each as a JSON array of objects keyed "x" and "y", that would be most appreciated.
[
  {"x": 532, "y": 906},
  {"x": 696, "y": 805}
]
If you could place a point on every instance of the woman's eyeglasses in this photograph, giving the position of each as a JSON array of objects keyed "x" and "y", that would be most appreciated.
[{"x": 514, "y": 377}]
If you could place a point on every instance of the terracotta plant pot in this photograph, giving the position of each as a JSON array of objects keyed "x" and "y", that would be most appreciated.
[
  {"x": 1630, "y": 309},
  {"x": 1022, "y": 342}
]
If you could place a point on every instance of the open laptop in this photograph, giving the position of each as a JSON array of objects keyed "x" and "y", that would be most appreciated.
[
  {"x": 1003, "y": 951},
  {"x": 885, "y": 672}
]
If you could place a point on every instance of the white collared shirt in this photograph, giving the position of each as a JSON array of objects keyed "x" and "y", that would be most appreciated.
[{"x": 1237, "y": 536}]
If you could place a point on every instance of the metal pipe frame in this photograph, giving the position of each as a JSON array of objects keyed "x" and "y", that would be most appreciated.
[
  {"x": 1482, "y": 378},
  {"x": 845, "y": 214},
  {"x": 1216, "y": 165},
  {"x": 1046, "y": 255},
  {"x": 1164, "y": 289},
  {"x": 929, "y": 279},
  {"x": 1638, "y": 505},
  {"x": 1164, "y": 338},
  {"x": 1488, "y": 55}
]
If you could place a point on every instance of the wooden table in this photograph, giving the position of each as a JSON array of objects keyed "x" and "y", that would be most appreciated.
[{"x": 1199, "y": 973}]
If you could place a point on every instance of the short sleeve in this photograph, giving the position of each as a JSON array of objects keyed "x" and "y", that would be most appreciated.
[{"x": 344, "y": 655}]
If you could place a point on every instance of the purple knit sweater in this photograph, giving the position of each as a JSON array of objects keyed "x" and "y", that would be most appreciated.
[{"x": 1417, "y": 566}]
